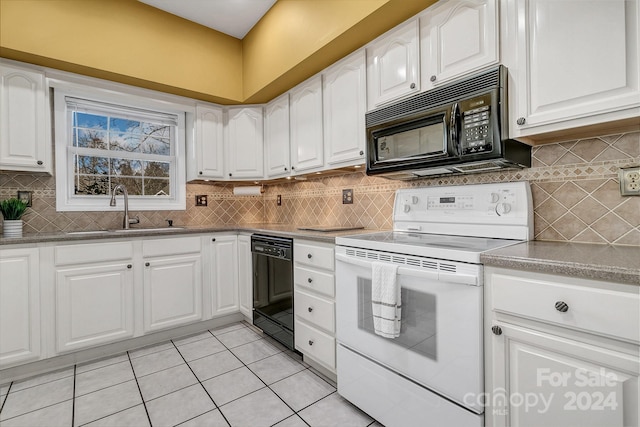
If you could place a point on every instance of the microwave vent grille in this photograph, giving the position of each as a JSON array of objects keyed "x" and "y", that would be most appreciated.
[{"x": 440, "y": 96}]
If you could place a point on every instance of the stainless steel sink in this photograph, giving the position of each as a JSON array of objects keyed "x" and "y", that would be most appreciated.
[
  {"x": 88, "y": 232},
  {"x": 131, "y": 230}
]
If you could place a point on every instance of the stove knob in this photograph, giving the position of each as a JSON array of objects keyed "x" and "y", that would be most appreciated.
[
  {"x": 494, "y": 197},
  {"x": 503, "y": 208},
  {"x": 407, "y": 208}
]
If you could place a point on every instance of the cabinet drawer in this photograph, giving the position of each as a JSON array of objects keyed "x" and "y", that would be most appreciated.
[
  {"x": 172, "y": 246},
  {"x": 596, "y": 310},
  {"x": 313, "y": 255},
  {"x": 316, "y": 344},
  {"x": 317, "y": 281},
  {"x": 93, "y": 252},
  {"x": 317, "y": 311}
]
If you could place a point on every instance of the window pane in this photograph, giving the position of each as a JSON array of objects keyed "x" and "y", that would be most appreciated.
[
  {"x": 134, "y": 186},
  {"x": 90, "y": 121},
  {"x": 151, "y": 145},
  {"x": 156, "y": 169},
  {"x": 93, "y": 185},
  {"x": 89, "y": 165},
  {"x": 125, "y": 125},
  {"x": 90, "y": 138},
  {"x": 156, "y": 187},
  {"x": 126, "y": 167},
  {"x": 159, "y": 131}
]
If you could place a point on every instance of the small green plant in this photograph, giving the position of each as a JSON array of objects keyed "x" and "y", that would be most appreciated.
[{"x": 12, "y": 209}]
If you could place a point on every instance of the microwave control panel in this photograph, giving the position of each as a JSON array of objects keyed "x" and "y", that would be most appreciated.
[{"x": 476, "y": 133}]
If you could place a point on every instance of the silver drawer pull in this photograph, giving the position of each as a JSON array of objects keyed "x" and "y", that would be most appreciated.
[
  {"x": 309, "y": 256},
  {"x": 562, "y": 306},
  {"x": 497, "y": 330},
  {"x": 310, "y": 342},
  {"x": 310, "y": 309},
  {"x": 309, "y": 280}
]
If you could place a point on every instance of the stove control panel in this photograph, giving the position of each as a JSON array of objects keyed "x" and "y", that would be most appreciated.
[{"x": 463, "y": 206}]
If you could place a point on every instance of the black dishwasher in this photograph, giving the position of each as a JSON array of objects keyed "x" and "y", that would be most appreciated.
[{"x": 273, "y": 287}]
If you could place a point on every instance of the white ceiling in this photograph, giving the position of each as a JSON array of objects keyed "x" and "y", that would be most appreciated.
[{"x": 232, "y": 17}]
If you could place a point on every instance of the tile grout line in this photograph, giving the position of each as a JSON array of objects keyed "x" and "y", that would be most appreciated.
[
  {"x": 201, "y": 385},
  {"x": 73, "y": 398},
  {"x": 135, "y": 377},
  {"x": 5, "y": 397}
]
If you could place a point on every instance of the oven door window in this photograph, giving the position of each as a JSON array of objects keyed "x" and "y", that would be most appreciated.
[
  {"x": 418, "y": 326},
  {"x": 419, "y": 139}
]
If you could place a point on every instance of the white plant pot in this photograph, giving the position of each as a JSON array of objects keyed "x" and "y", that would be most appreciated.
[{"x": 12, "y": 228}]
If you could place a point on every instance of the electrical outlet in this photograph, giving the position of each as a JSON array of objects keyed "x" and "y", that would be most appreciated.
[
  {"x": 347, "y": 196},
  {"x": 629, "y": 181},
  {"x": 279, "y": 200},
  {"x": 201, "y": 200}
]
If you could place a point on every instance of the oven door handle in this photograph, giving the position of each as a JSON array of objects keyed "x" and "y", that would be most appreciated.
[{"x": 408, "y": 271}]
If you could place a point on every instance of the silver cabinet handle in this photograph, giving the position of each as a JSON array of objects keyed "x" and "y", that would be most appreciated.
[
  {"x": 129, "y": 266},
  {"x": 497, "y": 330},
  {"x": 412, "y": 86},
  {"x": 562, "y": 306},
  {"x": 521, "y": 121},
  {"x": 433, "y": 78},
  {"x": 40, "y": 162},
  {"x": 146, "y": 264},
  {"x": 309, "y": 280},
  {"x": 310, "y": 342},
  {"x": 310, "y": 309},
  {"x": 309, "y": 256}
]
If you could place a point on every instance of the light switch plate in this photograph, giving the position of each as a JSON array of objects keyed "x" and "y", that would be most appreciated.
[{"x": 201, "y": 200}]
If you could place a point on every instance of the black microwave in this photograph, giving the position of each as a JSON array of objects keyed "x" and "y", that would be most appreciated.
[{"x": 454, "y": 129}]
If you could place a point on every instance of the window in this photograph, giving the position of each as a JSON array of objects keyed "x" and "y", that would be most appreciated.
[{"x": 103, "y": 144}]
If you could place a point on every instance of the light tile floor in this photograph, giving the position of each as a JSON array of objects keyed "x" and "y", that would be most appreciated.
[{"x": 231, "y": 376}]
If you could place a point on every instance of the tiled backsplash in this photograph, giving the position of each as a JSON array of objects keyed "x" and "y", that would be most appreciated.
[{"x": 574, "y": 184}]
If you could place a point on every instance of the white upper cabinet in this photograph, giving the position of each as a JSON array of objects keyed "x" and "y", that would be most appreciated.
[
  {"x": 245, "y": 142},
  {"x": 457, "y": 37},
  {"x": 209, "y": 142},
  {"x": 344, "y": 94},
  {"x": 393, "y": 65},
  {"x": 276, "y": 137},
  {"x": 572, "y": 63},
  {"x": 25, "y": 135},
  {"x": 306, "y": 126}
]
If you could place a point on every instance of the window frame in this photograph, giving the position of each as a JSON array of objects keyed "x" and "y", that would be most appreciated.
[{"x": 66, "y": 199}]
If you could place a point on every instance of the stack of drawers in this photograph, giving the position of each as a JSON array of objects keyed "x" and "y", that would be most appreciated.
[{"x": 314, "y": 301}]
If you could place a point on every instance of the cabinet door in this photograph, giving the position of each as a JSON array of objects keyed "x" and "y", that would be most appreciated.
[
  {"x": 344, "y": 107},
  {"x": 94, "y": 305},
  {"x": 19, "y": 306},
  {"x": 245, "y": 275},
  {"x": 209, "y": 142},
  {"x": 306, "y": 126},
  {"x": 224, "y": 271},
  {"x": 276, "y": 137},
  {"x": 172, "y": 291},
  {"x": 393, "y": 65},
  {"x": 574, "y": 60},
  {"x": 245, "y": 142},
  {"x": 24, "y": 125},
  {"x": 543, "y": 380},
  {"x": 458, "y": 36}
]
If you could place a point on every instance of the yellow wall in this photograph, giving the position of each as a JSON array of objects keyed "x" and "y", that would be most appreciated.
[{"x": 131, "y": 42}]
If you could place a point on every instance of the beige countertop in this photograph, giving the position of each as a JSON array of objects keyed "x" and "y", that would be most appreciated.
[
  {"x": 614, "y": 263},
  {"x": 280, "y": 230},
  {"x": 590, "y": 261}
]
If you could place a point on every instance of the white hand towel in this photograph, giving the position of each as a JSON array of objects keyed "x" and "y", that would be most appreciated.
[{"x": 385, "y": 300}]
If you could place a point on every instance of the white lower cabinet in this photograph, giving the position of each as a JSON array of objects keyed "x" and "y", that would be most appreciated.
[
  {"x": 94, "y": 294},
  {"x": 19, "y": 306},
  {"x": 224, "y": 275},
  {"x": 314, "y": 302},
  {"x": 556, "y": 353},
  {"x": 245, "y": 275},
  {"x": 172, "y": 283}
]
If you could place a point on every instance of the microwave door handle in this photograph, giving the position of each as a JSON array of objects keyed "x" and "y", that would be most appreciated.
[{"x": 454, "y": 128}]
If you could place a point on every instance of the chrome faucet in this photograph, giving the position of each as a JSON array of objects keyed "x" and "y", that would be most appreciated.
[{"x": 126, "y": 221}]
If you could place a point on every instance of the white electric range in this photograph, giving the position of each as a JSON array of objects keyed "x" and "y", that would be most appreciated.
[{"x": 432, "y": 373}]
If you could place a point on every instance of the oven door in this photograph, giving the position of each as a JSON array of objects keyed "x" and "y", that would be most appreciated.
[{"x": 440, "y": 342}]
